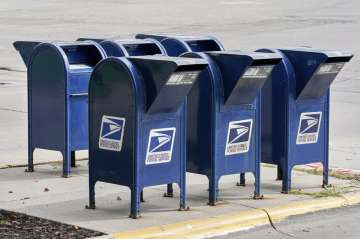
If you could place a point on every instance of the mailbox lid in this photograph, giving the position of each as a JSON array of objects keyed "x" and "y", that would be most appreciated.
[
  {"x": 80, "y": 58},
  {"x": 180, "y": 44},
  {"x": 167, "y": 80},
  {"x": 243, "y": 74},
  {"x": 78, "y": 55},
  {"x": 157, "y": 36},
  {"x": 315, "y": 69},
  {"x": 98, "y": 40},
  {"x": 132, "y": 47},
  {"x": 25, "y": 48},
  {"x": 175, "y": 45}
]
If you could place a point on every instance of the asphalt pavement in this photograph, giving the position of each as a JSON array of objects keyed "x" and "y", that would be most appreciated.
[{"x": 331, "y": 224}]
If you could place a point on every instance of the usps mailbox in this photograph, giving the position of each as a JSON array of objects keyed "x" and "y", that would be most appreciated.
[
  {"x": 137, "y": 123},
  {"x": 58, "y": 76},
  {"x": 175, "y": 45},
  {"x": 295, "y": 109},
  {"x": 224, "y": 116}
]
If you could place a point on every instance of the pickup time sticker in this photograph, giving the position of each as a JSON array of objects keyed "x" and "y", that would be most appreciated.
[{"x": 183, "y": 78}]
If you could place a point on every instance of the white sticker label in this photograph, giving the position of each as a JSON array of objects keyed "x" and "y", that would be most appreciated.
[
  {"x": 330, "y": 68},
  {"x": 258, "y": 71},
  {"x": 111, "y": 133},
  {"x": 183, "y": 78},
  {"x": 238, "y": 137},
  {"x": 160, "y": 146},
  {"x": 309, "y": 127}
]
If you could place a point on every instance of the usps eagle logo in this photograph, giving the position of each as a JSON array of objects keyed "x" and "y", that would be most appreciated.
[
  {"x": 238, "y": 137},
  {"x": 309, "y": 127},
  {"x": 160, "y": 146},
  {"x": 111, "y": 133}
]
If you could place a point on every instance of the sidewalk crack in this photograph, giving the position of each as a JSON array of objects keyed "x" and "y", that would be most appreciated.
[
  {"x": 5, "y": 68},
  {"x": 274, "y": 227},
  {"x": 12, "y": 110},
  {"x": 271, "y": 222}
]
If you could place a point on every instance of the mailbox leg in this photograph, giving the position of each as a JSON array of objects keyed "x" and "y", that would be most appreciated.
[
  {"x": 286, "y": 182},
  {"x": 257, "y": 193},
  {"x": 73, "y": 163},
  {"x": 279, "y": 173},
  {"x": 242, "y": 180},
  {"x": 326, "y": 144},
  {"x": 66, "y": 163},
  {"x": 91, "y": 195},
  {"x": 135, "y": 202},
  {"x": 169, "y": 191},
  {"x": 325, "y": 173},
  {"x": 30, "y": 160},
  {"x": 213, "y": 191},
  {"x": 183, "y": 206},
  {"x": 258, "y": 149}
]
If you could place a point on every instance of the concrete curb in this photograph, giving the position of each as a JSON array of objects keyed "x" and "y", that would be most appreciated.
[{"x": 233, "y": 222}]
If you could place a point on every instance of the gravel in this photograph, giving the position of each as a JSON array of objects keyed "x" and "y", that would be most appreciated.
[{"x": 15, "y": 225}]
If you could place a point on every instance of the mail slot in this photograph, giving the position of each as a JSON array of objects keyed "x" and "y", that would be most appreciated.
[
  {"x": 175, "y": 45},
  {"x": 129, "y": 47},
  {"x": 58, "y": 76},
  {"x": 224, "y": 116},
  {"x": 295, "y": 109},
  {"x": 138, "y": 123}
]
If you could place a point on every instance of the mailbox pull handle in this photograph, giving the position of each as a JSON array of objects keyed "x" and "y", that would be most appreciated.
[{"x": 79, "y": 94}]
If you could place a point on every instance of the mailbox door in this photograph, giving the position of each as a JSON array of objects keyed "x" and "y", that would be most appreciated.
[
  {"x": 46, "y": 86},
  {"x": 307, "y": 133},
  {"x": 235, "y": 150},
  {"x": 160, "y": 158},
  {"x": 112, "y": 123},
  {"x": 79, "y": 121}
]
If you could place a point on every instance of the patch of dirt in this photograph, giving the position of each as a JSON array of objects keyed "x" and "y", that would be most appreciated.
[{"x": 15, "y": 225}]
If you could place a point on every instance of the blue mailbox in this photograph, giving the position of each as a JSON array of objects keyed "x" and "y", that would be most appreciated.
[
  {"x": 175, "y": 45},
  {"x": 138, "y": 123},
  {"x": 224, "y": 116},
  {"x": 58, "y": 76},
  {"x": 129, "y": 47},
  {"x": 295, "y": 109}
]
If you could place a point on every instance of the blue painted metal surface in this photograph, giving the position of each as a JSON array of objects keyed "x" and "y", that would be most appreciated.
[
  {"x": 230, "y": 98},
  {"x": 58, "y": 76},
  {"x": 138, "y": 123},
  {"x": 295, "y": 109},
  {"x": 224, "y": 116},
  {"x": 175, "y": 45},
  {"x": 132, "y": 47},
  {"x": 129, "y": 47},
  {"x": 25, "y": 48}
]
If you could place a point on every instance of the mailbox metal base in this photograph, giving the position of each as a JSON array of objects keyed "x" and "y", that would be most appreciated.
[{"x": 68, "y": 162}]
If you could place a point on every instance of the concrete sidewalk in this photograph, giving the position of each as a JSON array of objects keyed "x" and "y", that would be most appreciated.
[{"x": 45, "y": 194}]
